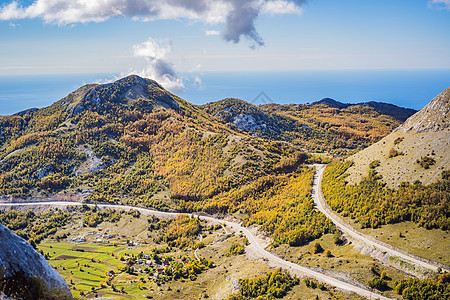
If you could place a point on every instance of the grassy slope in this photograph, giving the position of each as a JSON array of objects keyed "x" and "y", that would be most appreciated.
[
  {"x": 425, "y": 134},
  {"x": 404, "y": 167},
  {"x": 432, "y": 244}
]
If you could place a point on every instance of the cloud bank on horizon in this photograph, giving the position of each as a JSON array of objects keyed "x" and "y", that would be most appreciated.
[{"x": 238, "y": 15}]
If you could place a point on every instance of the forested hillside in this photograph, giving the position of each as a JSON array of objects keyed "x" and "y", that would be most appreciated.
[
  {"x": 323, "y": 126},
  {"x": 133, "y": 142}
]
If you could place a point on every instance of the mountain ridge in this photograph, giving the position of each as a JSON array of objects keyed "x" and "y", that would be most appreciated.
[
  {"x": 319, "y": 126},
  {"x": 435, "y": 116},
  {"x": 134, "y": 130},
  {"x": 400, "y": 113}
]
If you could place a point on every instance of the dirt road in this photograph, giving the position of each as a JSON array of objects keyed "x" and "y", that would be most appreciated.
[{"x": 368, "y": 240}]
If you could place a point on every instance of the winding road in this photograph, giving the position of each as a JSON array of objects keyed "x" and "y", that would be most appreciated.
[
  {"x": 368, "y": 240},
  {"x": 272, "y": 258},
  {"x": 275, "y": 260}
]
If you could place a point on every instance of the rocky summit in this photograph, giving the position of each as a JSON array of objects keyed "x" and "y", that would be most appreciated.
[
  {"x": 132, "y": 90},
  {"x": 435, "y": 116}
]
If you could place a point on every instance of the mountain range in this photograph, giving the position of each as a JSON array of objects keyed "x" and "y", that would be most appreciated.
[{"x": 133, "y": 130}]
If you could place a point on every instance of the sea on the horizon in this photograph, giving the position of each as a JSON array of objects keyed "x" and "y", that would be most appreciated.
[{"x": 406, "y": 88}]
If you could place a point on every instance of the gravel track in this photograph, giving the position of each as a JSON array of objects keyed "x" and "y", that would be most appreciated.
[{"x": 366, "y": 239}]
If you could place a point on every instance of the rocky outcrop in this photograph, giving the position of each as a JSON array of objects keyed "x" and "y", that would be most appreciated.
[
  {"x": 247, "y": 117},
  {"x": 435, "y": 116},
  {"x": 23, "y": 270}
]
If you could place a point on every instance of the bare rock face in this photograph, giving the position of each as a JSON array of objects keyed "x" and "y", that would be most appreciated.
[
  {"x": 24, "y": 273},
  {"x": 435, "y": 116}
]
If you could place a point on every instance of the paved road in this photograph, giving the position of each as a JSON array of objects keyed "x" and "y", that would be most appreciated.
[
  {"x": 368, "y": 240},
  {"x": 237, "y": 227}
]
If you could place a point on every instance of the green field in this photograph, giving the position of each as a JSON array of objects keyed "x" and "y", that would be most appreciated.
[
  {"x": 78, "y": 268},
  {"x": 84, "y": 267}
]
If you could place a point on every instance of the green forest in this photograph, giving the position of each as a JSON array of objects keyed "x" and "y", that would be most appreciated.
[
  {"x": 158, "y": 152},
  {"x": 437, "y": 287}
]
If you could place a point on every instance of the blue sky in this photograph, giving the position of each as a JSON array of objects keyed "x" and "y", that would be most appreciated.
[{"x": 197, "y": 36}]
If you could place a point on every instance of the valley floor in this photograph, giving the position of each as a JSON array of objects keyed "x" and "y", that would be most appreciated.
[{"x": 259, "y": 253}]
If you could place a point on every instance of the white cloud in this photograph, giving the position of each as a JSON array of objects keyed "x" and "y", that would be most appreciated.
[
  {"x": 198, "y": 82},
  {"x": 156, "y": 53},
  {"x": 237, "y": 15},
  {"x": 212, "y": 32},
  {"x": 10, "y": 12},
  {"x": 440, "y": 4},
  {"x": 280, "y": 7}
]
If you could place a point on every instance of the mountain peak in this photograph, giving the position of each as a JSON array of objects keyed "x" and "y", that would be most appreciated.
[
  {"x": 131, "y": 90},
  {"x": 424, "y": 135},
  {"x": 332, "y": 103},
  {"x": 435, "y": 116}
]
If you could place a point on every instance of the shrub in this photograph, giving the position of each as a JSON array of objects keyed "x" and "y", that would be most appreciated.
[
  {"x": 398, "y": 140},
  {"x": 32, "y": 243},
  {"x": 378, "y": 283},
  {"x": 338, "y": 240},
  {"x": 374, "y": 164},
  {"x": 426, "y": 161},
  {"x": 317, "y": 248},
  {"x": 393, "y": 153},
  {"x": 274, "y": 284},
  {"x": 311, "y": 283},
  {"x": 430, "y": 288},
  {"x": 236, "y": 249},
  {"x": 200, "y": 245}
]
